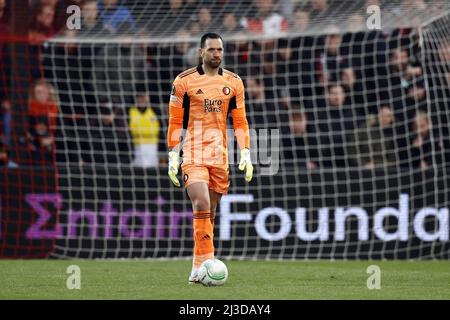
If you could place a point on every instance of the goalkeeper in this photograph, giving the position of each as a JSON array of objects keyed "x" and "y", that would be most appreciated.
[{"x": 200, "y": 101}]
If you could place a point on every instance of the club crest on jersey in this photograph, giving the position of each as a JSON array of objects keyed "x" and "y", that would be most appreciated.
[
  {"x": 226, "y": 91},
  {"x": 210, "y": 105}
]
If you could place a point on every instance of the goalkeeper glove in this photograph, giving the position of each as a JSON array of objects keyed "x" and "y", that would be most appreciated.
[
  {"x": 246, "y": 164},
  {"x": 173, "y": 168}
]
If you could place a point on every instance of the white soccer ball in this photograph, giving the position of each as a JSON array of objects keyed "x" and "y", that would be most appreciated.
[{"x": 213, "y": 272}]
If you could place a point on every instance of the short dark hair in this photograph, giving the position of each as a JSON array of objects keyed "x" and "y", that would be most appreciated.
[
  {"x": 210, "y": 35},
  {"x": 334, "y": 85},
  {"x": 301, "y": 8}
]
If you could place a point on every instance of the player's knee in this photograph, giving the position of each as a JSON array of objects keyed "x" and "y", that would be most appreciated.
[{"x": 201, "y": 204}]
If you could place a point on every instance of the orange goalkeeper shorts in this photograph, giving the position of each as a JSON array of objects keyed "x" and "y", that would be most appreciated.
[{"x": 216, "y": 177}]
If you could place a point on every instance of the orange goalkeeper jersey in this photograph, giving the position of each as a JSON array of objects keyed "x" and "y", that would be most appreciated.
[{"x": 199, "y": 106}]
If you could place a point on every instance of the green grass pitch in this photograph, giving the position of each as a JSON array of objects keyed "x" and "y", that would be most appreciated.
[{"x": 167, "y": 280}]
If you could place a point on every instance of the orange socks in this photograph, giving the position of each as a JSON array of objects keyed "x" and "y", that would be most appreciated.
[{"x": 203, "y": 238}]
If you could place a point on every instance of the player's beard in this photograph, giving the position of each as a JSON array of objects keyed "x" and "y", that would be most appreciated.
[{"x": 213, "y": 63}]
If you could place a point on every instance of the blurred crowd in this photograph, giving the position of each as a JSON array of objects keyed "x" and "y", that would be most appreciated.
[{"x": 340, "y": 98}]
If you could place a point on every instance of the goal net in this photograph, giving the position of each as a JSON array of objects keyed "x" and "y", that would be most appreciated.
[{"x": 349, "y": 114}]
